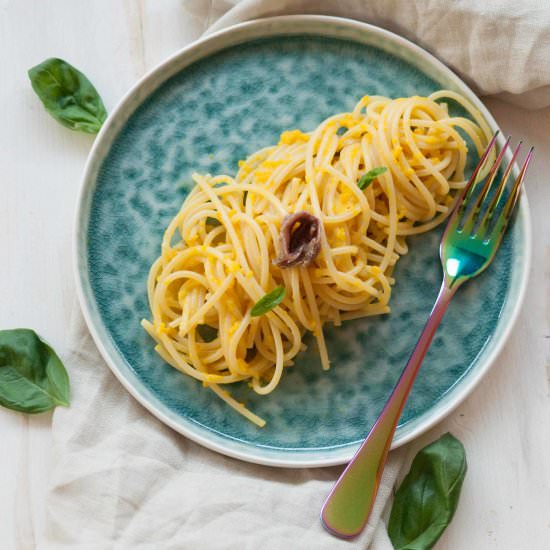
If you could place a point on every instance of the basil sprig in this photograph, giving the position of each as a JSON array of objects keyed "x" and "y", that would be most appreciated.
[
  {"x": 32, "y": 377},
  {"x": 427, "y": 499},
  {"x": 370, "y": 176},
  {"x": 68, "y": 95},
  {"x": 268, "y": 302}
]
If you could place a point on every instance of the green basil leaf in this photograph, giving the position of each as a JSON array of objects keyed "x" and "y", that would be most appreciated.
[
  {"x": 268, "y": 302},
  {"x": 427, "y": 499},
  {"x": 370, "y": 176},
  {"x": 207, "y": 333},
  {"x": 32, "y": 377},
  {"x": 68, "y": 95},
  {"x": 212, "y": 221}
]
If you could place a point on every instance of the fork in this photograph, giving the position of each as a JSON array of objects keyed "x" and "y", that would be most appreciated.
[{"x": 470, "y": 241}]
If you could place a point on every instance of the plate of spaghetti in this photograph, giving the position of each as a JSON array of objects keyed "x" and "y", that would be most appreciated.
[{"x": 257, "y": 239}]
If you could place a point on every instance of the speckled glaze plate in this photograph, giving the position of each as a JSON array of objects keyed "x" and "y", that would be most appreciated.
[{"x": 204, "y": 109}]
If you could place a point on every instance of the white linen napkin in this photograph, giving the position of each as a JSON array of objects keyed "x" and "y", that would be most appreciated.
[
  {"x": 500, "y": 48},
  {"x": 124, "y": 480}
]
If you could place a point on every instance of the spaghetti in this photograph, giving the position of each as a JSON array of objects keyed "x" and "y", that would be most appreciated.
[{"x": 218, "y": 253}]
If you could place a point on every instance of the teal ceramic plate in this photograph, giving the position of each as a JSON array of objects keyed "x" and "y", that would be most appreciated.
[{"x": 204, "y": 109}]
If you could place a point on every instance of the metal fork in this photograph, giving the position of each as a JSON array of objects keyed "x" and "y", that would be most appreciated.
[{"x": 469, "y": 244}]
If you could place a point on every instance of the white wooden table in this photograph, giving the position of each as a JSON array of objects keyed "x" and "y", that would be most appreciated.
[{"x": 505, "y": 424}]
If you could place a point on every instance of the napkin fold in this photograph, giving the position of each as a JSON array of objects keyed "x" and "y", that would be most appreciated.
[
  {"x": 122, "y": 479},
  {"x": 500, "y": 48}
]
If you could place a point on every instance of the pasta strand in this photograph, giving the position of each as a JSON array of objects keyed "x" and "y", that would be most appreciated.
[{"x": 217, "y": 253}]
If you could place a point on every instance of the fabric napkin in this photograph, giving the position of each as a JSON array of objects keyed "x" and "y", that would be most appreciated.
[
  {"x": 498, "y": 47},
  {"x": 124, "y": 480}
]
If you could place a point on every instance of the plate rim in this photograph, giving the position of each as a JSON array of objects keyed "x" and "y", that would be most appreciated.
[{"x": 248, "y": 451}]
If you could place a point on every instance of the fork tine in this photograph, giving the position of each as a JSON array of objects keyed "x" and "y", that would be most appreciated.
[
  {"x": 498, "y": 193},
  {"x": 478, "y": 203},
  {"x": 466, "y": 192},
  {"x": 512, "y": 200},
  {"x": 514, "y": 195}
]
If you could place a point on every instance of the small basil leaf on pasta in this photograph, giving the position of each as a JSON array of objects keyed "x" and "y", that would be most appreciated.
[
  {"x": 268, "y": 302},
  {"x": 370, "y": 176},
  {"x": 207, "y": 333},
  {"x": 212, "y": 221},
  {"x": 427, "y": 499},
  {"x": 68, "y": 95},
  {"x": 32, "y": 377}
]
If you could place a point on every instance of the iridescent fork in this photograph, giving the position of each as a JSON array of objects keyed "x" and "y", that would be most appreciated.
[{"x": 469, "y": 244}]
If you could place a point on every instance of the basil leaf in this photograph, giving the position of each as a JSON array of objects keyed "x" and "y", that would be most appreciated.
[
  {"x": 370, "y": 176},
  {"x": 68, "y": 95},
  {"x": 207, "y": 333},
  {"x": 212, "y": 221},
  {"x": 427, "y": 499},
  {"x": 268, "y": 302},
  {"x": 32, "y": 377}
]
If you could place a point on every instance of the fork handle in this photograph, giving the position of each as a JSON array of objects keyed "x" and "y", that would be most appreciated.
[{"x": 350, "y": 502}]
